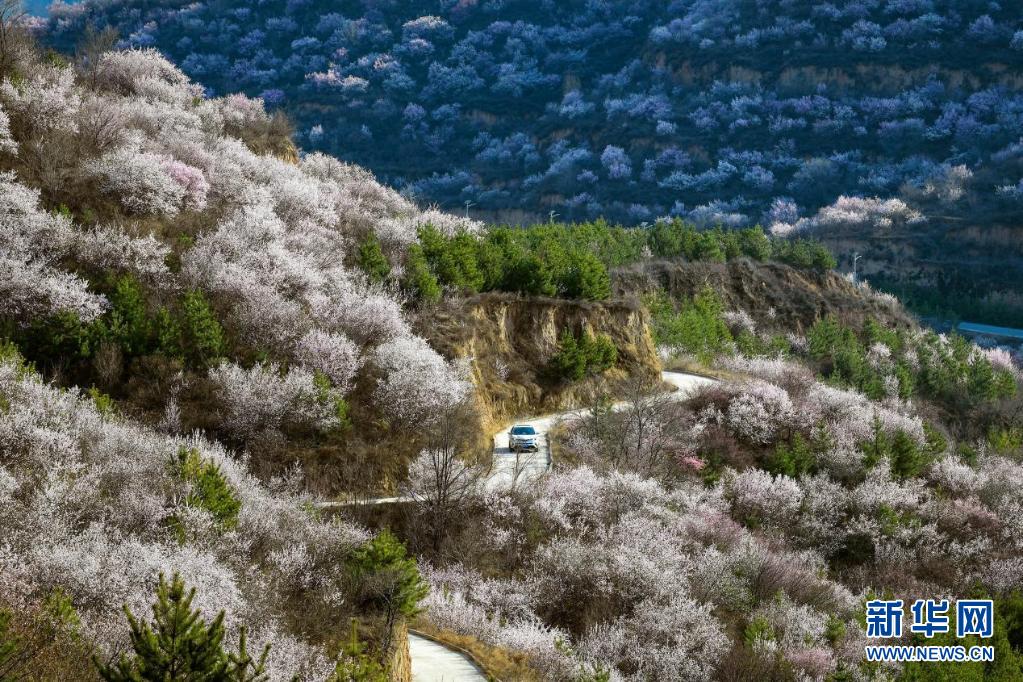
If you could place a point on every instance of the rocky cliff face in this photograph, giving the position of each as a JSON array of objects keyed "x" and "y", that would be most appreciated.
[
  {"x": 508, "y": 341},
  {"x": 774, "y": 294}
]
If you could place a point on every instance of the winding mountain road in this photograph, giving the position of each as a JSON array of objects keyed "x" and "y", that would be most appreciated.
[
  {"x": 434, "y": 662},
  {"x": 511, "y": 468}
]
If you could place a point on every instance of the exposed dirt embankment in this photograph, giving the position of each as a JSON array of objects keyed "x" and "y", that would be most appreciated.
[
  {"x": 509, "y": 342},
  {"x": 399, "y": 661},
  {"x": 774, "y": 294}
]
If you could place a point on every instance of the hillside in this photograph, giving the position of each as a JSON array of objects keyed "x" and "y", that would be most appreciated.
[
  {"x": 250, "y": 395},
  {"x": 894, "y": 122},
  {"x": 181, "y": 313},
  {"x": 773, "y": 293}
]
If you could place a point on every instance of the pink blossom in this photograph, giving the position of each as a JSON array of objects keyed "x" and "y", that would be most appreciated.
[
  {"x": 191, "y": 179},
  {"x": 817, "y": 662},
  {"x": 693, "y": 463}
]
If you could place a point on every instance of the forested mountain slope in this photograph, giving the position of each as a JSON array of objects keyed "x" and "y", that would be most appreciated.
[
  {"x": 173, "y": 295},
  {"x": 212, "y": 340},
  {"x": 722, "y": 111}
]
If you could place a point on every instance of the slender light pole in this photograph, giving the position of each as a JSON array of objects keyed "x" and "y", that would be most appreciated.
[
  {"x": 856, "y": 259},
  {"x": 551, "y": 216},
  {"x": 468, "y": 203}
]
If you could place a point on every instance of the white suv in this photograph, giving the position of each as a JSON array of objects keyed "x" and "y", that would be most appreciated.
[{"x": 523, "y": 437}]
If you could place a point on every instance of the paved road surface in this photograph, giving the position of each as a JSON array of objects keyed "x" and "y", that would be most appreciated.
[
  {"x": 432, "y": 662},
  {"x": 511, "y": 468}
]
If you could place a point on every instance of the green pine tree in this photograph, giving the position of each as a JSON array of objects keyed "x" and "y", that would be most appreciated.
[
  {"x": 604, "y": 353},
  {"x": 793, "y": 459},
  {"x": 372, "y": 260},
  {"x": 179, "y": 646},
  {"x": 210, "y": 488},
  {"x": 529, "y": 275},
  {"x": 907, "y": 460},
  {"x": 128, "y": 322},
  {"x": 389, "y": 580},
  {"x": 243, "y": 667},
  {"x": 203, "y": 338},
  {"x": 569, "y": 362},
  {"x": 419, "y": 281},
  {"x": 586, "y": 278},
  {"x": 878, "y": 447}
]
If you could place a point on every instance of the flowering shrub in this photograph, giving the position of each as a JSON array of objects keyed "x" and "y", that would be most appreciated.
[
  {"x": 759, "y": 498},
  {"x": 332, "y": 354},
  {"x": 264, "y": 400},
  {"x": 142, "y": 181},
  {"x": 107, "y": 248},
  {"x": 135, "y": 71},
  {"x": 103, "y": 534},
  {"x": 33, "y": 285},
  {"x": 7, "y": 143},
  {"x": 675, "y": 640},
  {"x": 47, "y": 102},
  {"x": 850, "y": 212},
  {"x": 759, "y": 411},
  {"x": 418, "y": 385}
]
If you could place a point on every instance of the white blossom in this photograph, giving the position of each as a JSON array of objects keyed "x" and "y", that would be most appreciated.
[
  {"x": 758, "y": 410},
  {"x": 331, "y": 353},
  {"x": 7, "y": 143},
  {"x": 418, "y": 384},
  {"x": 95, "y": 495},
  {"x": 31, "y": 283},
  {"x": 144, "y": 72},
  {"x": 848, "y": 211},
  {"x": 107, "y": 247},
  {"x": 772, "y": 500},
  {"x": 676, "y": 639},
  {"x": 45, "y": 103},
  {"x": 265, "y": 399}
]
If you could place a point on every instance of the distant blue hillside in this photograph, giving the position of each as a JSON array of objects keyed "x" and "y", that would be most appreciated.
[
  {"x": 722, "y": 112},
  {"x": 38, "y": 7}
]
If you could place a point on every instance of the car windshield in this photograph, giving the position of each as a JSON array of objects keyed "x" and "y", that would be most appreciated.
[{"x": 523, "y": 431}]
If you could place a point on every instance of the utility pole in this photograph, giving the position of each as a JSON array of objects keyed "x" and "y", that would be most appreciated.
[
  {"x": 551, "y": 216},
  {"x": 468, "y": 203},
  {"x": 856, "y": 258}
]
